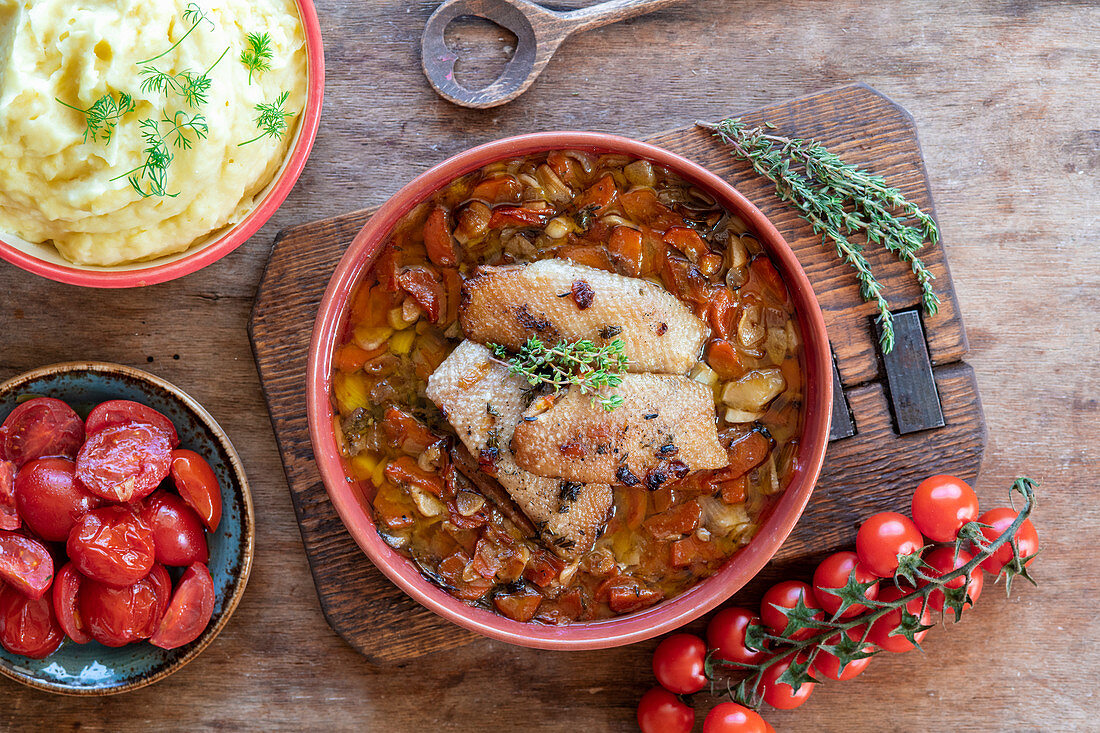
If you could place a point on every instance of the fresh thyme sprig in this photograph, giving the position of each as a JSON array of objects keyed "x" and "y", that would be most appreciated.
[
  {"x": 838, "y": 200},
  {"x": 257, "y": 56},
  {"x": 193, "y": 88},
  {"x": 272, "y": 119},
  {"x": 158, "y": 153},
  {"x": 192, "y": 14},
  {"x": 581, "y": 363},
  {"x": 103, "y": 116},
  {"x": 833, "y": 637}
]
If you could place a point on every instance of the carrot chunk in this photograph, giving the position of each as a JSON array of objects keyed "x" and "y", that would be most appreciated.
[{"x": 438, "y": 240}]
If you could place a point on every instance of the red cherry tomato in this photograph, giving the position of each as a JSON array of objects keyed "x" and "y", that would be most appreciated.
[
  {"x": 162, "y": 586},
  {"x": 942, "y": 505},
  {"x": 881, "y": 628},
  {"x": 9, "y": 515},
  {"x": 124, "y": 462},
  {"x": 729, "y": 717},
  {"x": 28, "y": 625},
  {"x": 196, "y": 483},
  {"x": 113, "y": 546},
  {"x": 42, "y": 427},
  {"x": 726, "y": 635},
  {"x": 25, "y": 564},
  {"x": 50, "y": 499},
  {"x": 833, "y": 572},
  {"x": 786, "y": 595},
  {"x": 118, "y": 616},
  {"x": 177, "y": 530},
  {"x": 942, "y": 561},
  {"x": 678, "y": 663},
  {"x": 190, "y": 610},
  {"x": 659, "y": 711},
  {"x": 827, "y": 665},
  {"x": 125, "y": 412},
  {"x": 882, "y": 538},
  {"x": 1027, "y": 539},
  {"x": 66, "y": 590},
  {"x": 779, "y": 694}
]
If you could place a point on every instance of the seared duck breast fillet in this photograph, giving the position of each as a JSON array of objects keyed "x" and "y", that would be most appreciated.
[
  {"x": 556, "y": 300},
  {"x": 483, "y": 402},
  {"x": 664, "y": 428}
]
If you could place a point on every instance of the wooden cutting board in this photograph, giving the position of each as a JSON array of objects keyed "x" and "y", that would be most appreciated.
[{"x": 896, "y": 419}]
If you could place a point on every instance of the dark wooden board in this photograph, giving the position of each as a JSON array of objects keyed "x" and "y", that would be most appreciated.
[{"x": 873, "y": 470}]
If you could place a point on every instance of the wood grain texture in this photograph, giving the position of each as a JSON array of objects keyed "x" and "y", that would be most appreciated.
[
  {"x": 872, "y": 471},
  {"x": 1004, "y": 94}
]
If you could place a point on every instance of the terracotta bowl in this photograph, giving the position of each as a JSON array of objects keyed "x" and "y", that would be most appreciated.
[
  {"x": 347, "y": 495},
  {"x": 93, "y": 669},
  {"x": 44, "y": 260}
]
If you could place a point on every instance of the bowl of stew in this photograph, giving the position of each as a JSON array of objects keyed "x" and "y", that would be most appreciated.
[{"x": 528, "y": 508}]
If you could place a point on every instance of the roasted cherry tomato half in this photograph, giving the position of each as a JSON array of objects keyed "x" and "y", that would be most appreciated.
[
  {"x": 779, "y": 694},
  {"x": 25, "y": 564},
  {"x": 882, "y": 538},
  {"x": 729, "y": 717},
  {"x": 679, "y": 663},
  {"x": 659, "y": 711},
  {"x": 942, "y": 505},
  {"x": 119, "y": 616},
  {"x": 190, "y": 610},
  {"x": 827, "y": 665},
  {"x": 1027, "y": 539},
  {"x": 50, "y": 499},
  {"x": 41, "y": 427},
  {"x": 9, "y": 514},
  {"x": 726, "y": 635},
  {"x": 66, "y": 604},
  {"x": 786, "y": 594},
  {"x": 177, "y": 531},
  {"x": 941, "y": 561},
  {"x": 113, "y": 546},
  {"x": 27, "y": 625},
  {"x": 880, "y": 633},
  {"x": 124, "y": 463},
  {"x": 834, "y": 572},
  {"x": 196, "y": 483},
  {"x": 124, "y": 412}
]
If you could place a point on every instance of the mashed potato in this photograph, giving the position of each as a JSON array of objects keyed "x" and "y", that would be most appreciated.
[{"x": 57, "y": 187}]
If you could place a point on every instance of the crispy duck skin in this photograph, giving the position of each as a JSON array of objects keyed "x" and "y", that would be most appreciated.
[
  {"x": 483, "y": 402},
  {"x": 664, "y": 428},
  {"x": 556, "y": 300}
]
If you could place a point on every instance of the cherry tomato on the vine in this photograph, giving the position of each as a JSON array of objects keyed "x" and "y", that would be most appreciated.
[
  {"x": 827, "y": 665},
  {"x": 1027, "y": 539},
  {"x": 884, "y": 536},
  {"x": 726, "y": 635},
  {"x": 679, "y": 663},
  {"x": 833, "y": 572},
  {"x": 779, "y": 694},
  {"x": 659, "y": 711},
  {"x": 881, "y": 629},
  {"x": 942, "y": 505},
  {"x": 729, "y": 717},
  {"x": 942, "y": 561},
  {"x": 786, "y": 594}
]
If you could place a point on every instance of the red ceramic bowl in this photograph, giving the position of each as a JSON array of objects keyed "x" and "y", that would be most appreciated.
[
  {"x": 350, "y": 498},
  {"x": 45, "y": 261}
]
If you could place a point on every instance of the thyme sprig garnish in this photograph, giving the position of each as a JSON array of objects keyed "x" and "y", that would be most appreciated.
[
  {"x": 103, "y": 116},
  {"x": 257, "y": 56},
  {"x": 158, "y": 150},
  {"x": 833, "y": 637},
  {"x": 192, "y": 87},
  {"x": 591, "y": 368},
  {"x": 272, "y": 120},
  {"x": 840, "y": 200},
  {"x": 192, "y": 14}
]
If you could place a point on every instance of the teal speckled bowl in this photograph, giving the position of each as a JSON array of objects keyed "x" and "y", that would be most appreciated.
[{"x": 93, "y": 669}]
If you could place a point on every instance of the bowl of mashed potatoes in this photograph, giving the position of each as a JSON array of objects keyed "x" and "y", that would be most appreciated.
[{"x": 141, "y": 141}]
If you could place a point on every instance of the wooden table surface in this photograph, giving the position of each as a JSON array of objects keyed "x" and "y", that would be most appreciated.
[{"x": 1005, "y": 94}]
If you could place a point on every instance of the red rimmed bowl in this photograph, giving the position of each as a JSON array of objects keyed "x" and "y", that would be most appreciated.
[
  {"x": 708, "y": 593},
  {"x": 44, "y": 260}
]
